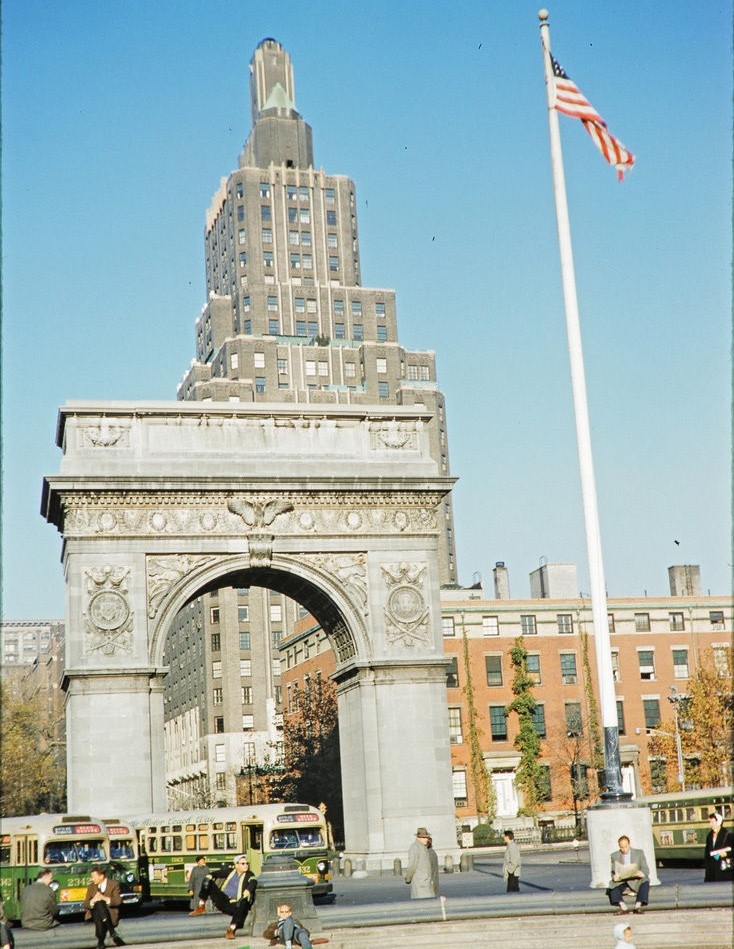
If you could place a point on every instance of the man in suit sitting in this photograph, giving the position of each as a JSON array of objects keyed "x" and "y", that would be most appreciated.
[
  {"x": 630, "y": 877},
  {"x": 102, "y": 904},
  {"x": 233, "y": 894}
]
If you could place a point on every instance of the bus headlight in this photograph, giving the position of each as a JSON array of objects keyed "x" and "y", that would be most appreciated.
[
  {"x": 129, "y": 877},
  {"x": 323, "y": 867},
  {"x": 53, "y": 885}
]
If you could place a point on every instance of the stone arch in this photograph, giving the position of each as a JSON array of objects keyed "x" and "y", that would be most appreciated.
[{"x": 156, "y": 502}]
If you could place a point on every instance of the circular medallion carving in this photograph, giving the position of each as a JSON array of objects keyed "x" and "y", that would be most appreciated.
[
  {"x": 354, "y": 520},
  {"x": 158, "y": 521},
  {"x": 208, "y": 521},
  {"x": 406, "y": 604},
  {"x": 306, "y": 520},
  {"x": 108, "y": 609},
  {"x": 107, "y": 521}
]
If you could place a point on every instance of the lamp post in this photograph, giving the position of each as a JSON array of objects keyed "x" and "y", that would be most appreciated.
[{"x": 675, "y": 698}]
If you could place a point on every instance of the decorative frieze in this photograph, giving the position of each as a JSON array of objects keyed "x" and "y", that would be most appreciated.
[
  {"x": 145, "y": 514},
  {"x": 163, "y": 573}
]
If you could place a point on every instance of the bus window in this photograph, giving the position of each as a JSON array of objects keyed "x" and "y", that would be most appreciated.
[
  {"x": 690, "y": 813},
  {"x": 231, "y": 841},
  {"x": 310, "y": 838},
  {"x": 203, "y": 841},
  {"x": 5, "y": 854},
  {"x": 203, "y": 827},
  {"x": 283, "y": 840},
  {"x": 190, "y": 827},
  {"x": 121, "y": 850},
  {"x": 19, "y": 853},
  {"x": 190, "y": 841},
  {"x": 218, "y": 826},
  {"x": 230, "y": 825},
  {"x": 152, "y": 844},
  {"x": 218, "y": 841},
  {"x": 52, "y": 853},
  {"x": 726, "y": 810},
  {"x": 91, "y": 851}
]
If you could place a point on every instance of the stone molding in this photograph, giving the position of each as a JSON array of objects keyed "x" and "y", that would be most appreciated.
[{"x": 197, "y": 513}]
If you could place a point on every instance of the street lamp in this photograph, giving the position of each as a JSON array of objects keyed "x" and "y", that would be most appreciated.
[{"x": 675, "y": 698}]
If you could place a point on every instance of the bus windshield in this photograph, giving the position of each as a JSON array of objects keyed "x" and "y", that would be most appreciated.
[
  {"x": 74, "y": 851},
  {"x": 121, "y": 850},
  {"x": 295, "y": 839}
]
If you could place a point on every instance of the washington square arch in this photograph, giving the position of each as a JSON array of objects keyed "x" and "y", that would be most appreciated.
[{"x": 337, "y": 507}]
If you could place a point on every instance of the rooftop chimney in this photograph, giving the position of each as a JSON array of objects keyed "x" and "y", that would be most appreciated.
[
  {"x": 685, "y": 580},
  {"x": 501, "y": 581}
]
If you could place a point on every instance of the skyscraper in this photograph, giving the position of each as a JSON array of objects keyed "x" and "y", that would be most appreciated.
[{"x": 287, "y": 319}]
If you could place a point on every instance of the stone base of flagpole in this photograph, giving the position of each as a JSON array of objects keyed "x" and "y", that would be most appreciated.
[{"x": 605, "y": 824}]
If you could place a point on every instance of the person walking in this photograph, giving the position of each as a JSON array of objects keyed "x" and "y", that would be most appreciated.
[
  {"x": 422, "y": 872},
  {"x": 196, "y": 879},
  {"x": 102, "y": 903},
  {"x": 38, "y": 906},
  {"x": 511, "y": 862},
  {"x": 717, "y": 852},
  {"x": 233, "y": 897}
]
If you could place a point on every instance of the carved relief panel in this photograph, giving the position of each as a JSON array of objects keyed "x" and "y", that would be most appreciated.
[
  {"x": 406, "y": 611},
  {"x": 108, "y": 619}
]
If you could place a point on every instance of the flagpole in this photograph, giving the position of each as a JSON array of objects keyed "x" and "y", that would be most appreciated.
[{"x": 614, "y": 791}]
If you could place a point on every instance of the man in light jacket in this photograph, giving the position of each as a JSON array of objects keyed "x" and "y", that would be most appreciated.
[
  {"x": 422, "y": 872},
  {"x": 511, "y": 863}
]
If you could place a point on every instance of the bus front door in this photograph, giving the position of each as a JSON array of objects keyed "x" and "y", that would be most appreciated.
[{"x": 253, "y": 846}]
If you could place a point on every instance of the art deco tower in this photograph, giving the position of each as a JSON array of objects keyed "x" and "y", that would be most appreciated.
[{"x": 287, "y": 319}]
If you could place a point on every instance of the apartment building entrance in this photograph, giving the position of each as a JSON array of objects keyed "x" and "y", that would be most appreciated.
[{"x": 337, "y": 507}]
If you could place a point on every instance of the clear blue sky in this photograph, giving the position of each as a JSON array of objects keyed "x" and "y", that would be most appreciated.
[{"x": 120, "y": 118}]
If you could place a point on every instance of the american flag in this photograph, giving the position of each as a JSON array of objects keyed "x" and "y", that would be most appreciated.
[{"x": 569, "y": 99}]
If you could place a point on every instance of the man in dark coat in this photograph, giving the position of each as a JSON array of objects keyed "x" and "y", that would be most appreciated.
[
  {"x": 717, "y": 853},
  {"x": 233, "y": 896},
  {"x": 102, "y": 904},
  {"x": 38, "y": 905}
]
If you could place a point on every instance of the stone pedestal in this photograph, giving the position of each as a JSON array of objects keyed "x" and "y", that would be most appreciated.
[
  {"x": 282, "y": 882},
  {"x": 605, "y": 825}
]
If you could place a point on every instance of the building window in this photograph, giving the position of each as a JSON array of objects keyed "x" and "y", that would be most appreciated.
[
  {"x": 264, "y": 189},
  {"x": 274, "y": 327},
  {"x": 241, "y": 236},
  {"x": 716, "y": 619},
  {"x": 329, "y": 195},
  {"x": 240, "y": 189},
  {"x": 310, "y": 367},
  {"x": 300, "y": 327},
  {"x": 219, "y": 752},
  {"x": 245, "y": 667},
  {"x": 527, "y": 625},
  {"x": 275, "y": 667},
  {"x": 234, "y": 361},
  {"x": 532, "y": 667},
  {"x": 498, "y": 722},
  {"x": 722, "y": 659},
  {"x": 573, "y": 719},
  {"x": 219, "y": 727},
  {"x": 259, "y": 384},
  {"x": 214, "y": 614},
  {"x": 216, "y": 696},
  {"x": 358, "y": 331},
  {"x": 381, "y": 334},
  {"x": 331, "y": 218},
  {"x": 646, "y": 660},
  {"x": 291, "y": 192},
  {"x": 296, "y": 261},
  {"x": 306, "y": 238},
  {"x": 243, "y": 614},
  {"x": 313, "y": 328},
  {"x": 380, "y": 310},
  {"x": 307, "y": 262},
  {"x": 333, "y": 263},
  {"x": 276, "y": 636},
  {"x": 338, "y": 307},
  {"x": 240, "y": 212},
  {"x": 452, "y": 674},
  {"x": 424, "y": 373},
  {"x": 642, "y": 622},
  {"x": 276, "y": 613},
  {"x": 244, "y": 640},
  {"x": 616, "y": 674},
  {"x": 458, "y": 781},
  {"x": 538, "y": 717},
  {"x": 490, "y": 626},
  {"x": 267, "y": 235},
  {"x": 680, "y": 663},
  {"x": 331, "y": 241},
  {"x": 545, "y": 792},
  {"x": 304, "y": 215},
  {"x": 216, "y": 642},
  {"x": 565, "y": 622},
  {"x": 350, "y": 371},
  {"x": 381, "y": 365},
  {"x": 447, "y": 626},
  {"x": 494, "y": 670},
  {"x": 456, "y": 736},
  {"x": 677, "y": 623},
  {"x": 569, "y": 674},
  {"x": 258, "y": 360},
  {"x": 248, "y": 723},
  {"x": 265, "y": 213},
  {"x": 246, "y": 695},
  {"x": 282, "y": 367},
  {"x": 267, "y": 259},
  {"x": 620, "y": 717},
  {"x": 294, "y": 238},
  {"x": 220, "y": 781},
  {"x": 217, "y": 669},
  {"x": 383, "y": 390},
  {"x": 323, "y": 369},
  {"x": 652, "y": 712},
  {"x": 412, "y": 372},
  {"x": 610, "y": 622}
]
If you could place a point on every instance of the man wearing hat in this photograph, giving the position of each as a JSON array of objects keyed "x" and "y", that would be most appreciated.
[
  {"x": 717, "y": 854},
  {"x": 233, "y": 896},
  {"x": 422, "y": 872}
]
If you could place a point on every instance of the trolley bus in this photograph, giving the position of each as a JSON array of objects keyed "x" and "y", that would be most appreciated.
[
  {"x": 67, "y": 845},
  {"x": 171, "y": 842},
  {"x": 680, "y": 821}
]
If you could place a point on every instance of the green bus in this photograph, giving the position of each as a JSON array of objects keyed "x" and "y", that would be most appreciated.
[
  {"x": 171, "y": 842},
  {"x": 68, "y": 845},
  {"x": 680, "y": 821}
]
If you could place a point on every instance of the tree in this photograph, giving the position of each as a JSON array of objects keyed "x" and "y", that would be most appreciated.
[
  {"x": 32, "y": 776},
  {"x": 484, "y": 797},
  {"x": 705, "y": 723},
  {"x": 530, "y": 776},
  {"x": 311, "y": 771}
]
